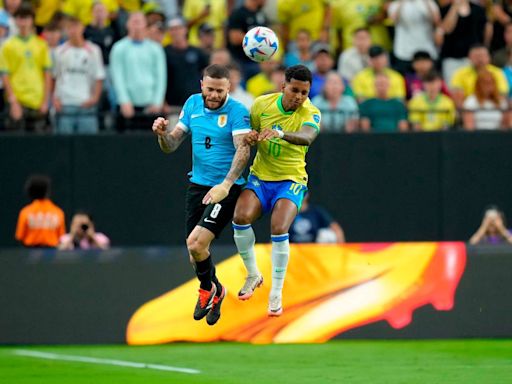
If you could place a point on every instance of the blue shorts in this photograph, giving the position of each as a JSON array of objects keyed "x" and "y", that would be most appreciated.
[{"x": 269, "y": 192}]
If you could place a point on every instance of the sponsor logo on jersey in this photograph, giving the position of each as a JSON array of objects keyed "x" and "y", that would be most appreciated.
[{"x": 222, "y": 121}]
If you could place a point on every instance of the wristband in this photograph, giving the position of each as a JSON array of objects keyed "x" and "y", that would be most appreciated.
[{"x": 280, "y": 134}]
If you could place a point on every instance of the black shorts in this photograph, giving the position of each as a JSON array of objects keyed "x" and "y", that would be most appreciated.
[{"x": 213, "y": 217}]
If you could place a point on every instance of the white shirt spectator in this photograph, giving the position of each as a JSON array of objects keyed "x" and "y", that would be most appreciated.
[
  {"x": 487, "y": 116},
  {"x": 350, "y": 62},
  {"x": 76, "y": 70},
  {"x": 414, "y": 27}
]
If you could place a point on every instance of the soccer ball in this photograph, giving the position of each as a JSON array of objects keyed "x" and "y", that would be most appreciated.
[{"x": 260, "y": 44}]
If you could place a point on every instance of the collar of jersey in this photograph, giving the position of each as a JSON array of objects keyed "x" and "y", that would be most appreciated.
[
  {"x": 218, "y": 109},
  {"x": 280, "y": 105},
  {"x": 26, "y": 38}
]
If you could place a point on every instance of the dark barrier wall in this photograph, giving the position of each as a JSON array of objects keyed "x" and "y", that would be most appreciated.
[
  {"x": 388, "y": 187},
  {"x": 88, "y": 297}
]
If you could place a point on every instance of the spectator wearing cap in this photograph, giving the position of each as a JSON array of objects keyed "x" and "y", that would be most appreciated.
[
  {"x": 137, "y": 67},
  {"x": 26, "y": 65},
  {"x": 415, "y": 21},
  {"x": 463, "y": 81},
  {"x": 301, "y": 54},
  {"x": 422, "y": 65},
  {"x": 364, "y": 82},
  {"x": 185, "y": 65},
  {"x": 355, "y": 58},
  {"x": 324, "y": 63},
  {"x": 431, "y": 110},
  {"x": 78, "y": 74},
  {"x": 210, "y": 12},
  {"x": 206, "y": 38},
  {"x": 156, "y": 31},
  {"x": 235, "y": 89},
  {"x": 383, "y": 113},
  {"x": 153, "y": 12},
  {"x": 313, "y": 16}
]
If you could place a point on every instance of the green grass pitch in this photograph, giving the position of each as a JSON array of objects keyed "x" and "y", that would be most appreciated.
[{"x": 347, "y": 362}]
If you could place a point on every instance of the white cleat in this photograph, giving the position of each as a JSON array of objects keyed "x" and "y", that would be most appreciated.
[
  {"x": 275, "y": 308},
  {"x": 251, "y": 283}
]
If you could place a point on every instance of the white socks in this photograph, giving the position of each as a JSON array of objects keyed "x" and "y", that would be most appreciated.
[
  {"x": 280, "y": 254},
  {"x": 244, "y": 240}
]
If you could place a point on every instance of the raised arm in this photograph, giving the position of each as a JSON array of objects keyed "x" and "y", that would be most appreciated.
[
  {"x": 168, "y": 141},
  {"x": 305, "y": 136},
  {"x": 240, "y": 160}
]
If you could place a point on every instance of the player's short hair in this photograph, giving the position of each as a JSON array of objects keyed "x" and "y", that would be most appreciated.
[
  {"x": 298, "y": 72},
  {"x": 216, "y": 71},
  {"x": 37, "y": 187}
]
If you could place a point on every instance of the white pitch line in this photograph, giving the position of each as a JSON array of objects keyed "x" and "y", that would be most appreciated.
[{"x": 93, "y": 360}]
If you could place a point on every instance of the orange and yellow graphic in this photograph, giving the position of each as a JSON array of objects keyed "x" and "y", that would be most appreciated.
[{"x": 329, "y": 289}]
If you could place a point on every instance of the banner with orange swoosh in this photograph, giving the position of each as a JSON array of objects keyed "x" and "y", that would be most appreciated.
[{"x": 329, "y": 289}]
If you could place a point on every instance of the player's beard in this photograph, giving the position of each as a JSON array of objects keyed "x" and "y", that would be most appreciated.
[{"x": 218, "y": 104}]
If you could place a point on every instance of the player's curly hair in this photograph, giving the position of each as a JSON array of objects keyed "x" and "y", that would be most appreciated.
[{"x": 298, "y": 72}]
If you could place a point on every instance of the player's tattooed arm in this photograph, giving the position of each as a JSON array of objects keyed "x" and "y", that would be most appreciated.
[
  {"x": 305, "y": 136},
  {"x": 240, "y": 160},
  {"x": 168, "y": 141}
]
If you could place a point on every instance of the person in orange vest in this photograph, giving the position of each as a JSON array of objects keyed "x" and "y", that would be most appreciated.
[{"x": 40, "y": 223}]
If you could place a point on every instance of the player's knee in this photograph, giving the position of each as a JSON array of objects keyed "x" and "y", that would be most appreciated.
[
  {"x": 279, "y": 229},
  {"x": 242, "y": 218},
  {"x": 195, "y": 247}
]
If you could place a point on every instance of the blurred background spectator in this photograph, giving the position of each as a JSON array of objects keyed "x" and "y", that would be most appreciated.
[
  {"x": 261, "y": 83},
  {"x": 82, "y": 234},
  {"x": 26, "y": 65},
  {"x": 300, "y": 52},
  {"x": 235, "y": 90},
  {"x": 313, "y": 224},
  {"x": 422, "y": 66},
  {"x": 40, "y": 223},
  {"x": 205, "y": 15},
  {"x": 185, "y": 65},
  {"x": 324, "y": 63},
  {"x": 139, "y": 76},
  {"x": 339, "y": 111},
  {"x": 78, "y": 75},
  {"x": 486, "y": 108},
  {"x": 431, "y": 110},
  {"x": 355, "y": 59},
  {"x": 383, "y": 113},
  {"x": 493, "y": 228}
]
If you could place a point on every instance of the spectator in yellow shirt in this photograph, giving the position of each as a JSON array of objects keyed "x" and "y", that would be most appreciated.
[
  {"x": 364, "y": 82},
  {"x": 261, "y": 83},
  {"x": 199, "y": 12},
  {"x": 464, "y": 79},
  {"x": 431, "y": 110},
  {"x": 25, "y": 65}
]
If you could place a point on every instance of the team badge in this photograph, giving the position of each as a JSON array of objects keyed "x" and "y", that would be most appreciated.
[
  {"x": 316, "y": 118},
  {"x": 222, "y": 121}
]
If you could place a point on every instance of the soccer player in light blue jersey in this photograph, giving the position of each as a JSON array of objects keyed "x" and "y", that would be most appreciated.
[{"x": 218, "y": 127}]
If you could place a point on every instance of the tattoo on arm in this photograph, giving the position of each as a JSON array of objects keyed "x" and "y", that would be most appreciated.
[
  {"x": 171, "y": 141},
  {"x": 305, "y": 136},
  {"x": 241, "y": 158}
]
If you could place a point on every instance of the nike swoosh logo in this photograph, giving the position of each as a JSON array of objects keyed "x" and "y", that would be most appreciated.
[
  {"x": 264, "y": 115},
  {"x": 209, "y": 221}
]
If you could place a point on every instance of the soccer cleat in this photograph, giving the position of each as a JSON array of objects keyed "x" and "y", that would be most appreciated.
[
  {"x": 204, "y": 302},
  {"x": 275, "y": 308},
  {"x": 214, "y": 315},
  {"x": 251, "y": 283}
]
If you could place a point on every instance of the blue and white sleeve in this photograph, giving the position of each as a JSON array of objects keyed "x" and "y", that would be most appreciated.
[
  {"x": 242, "y": 122},
  {"x": 184, "y": 118}
]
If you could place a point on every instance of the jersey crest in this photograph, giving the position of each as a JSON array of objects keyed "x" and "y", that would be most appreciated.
[{"x": 222, "y": 121}]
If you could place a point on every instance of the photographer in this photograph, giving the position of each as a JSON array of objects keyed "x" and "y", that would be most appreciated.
[
  {"x": 493, "y": 229},
  {"x": 82, "y": 235}
]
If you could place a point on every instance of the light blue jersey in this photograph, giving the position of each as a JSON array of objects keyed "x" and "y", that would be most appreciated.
[{"x": 212, "y": 134}]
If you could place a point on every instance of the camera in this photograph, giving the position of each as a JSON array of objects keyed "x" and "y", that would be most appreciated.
[{"x": 84, "y": 227}]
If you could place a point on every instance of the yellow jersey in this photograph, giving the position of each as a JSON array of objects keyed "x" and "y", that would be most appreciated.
[
  {"x": 302, "y": 14},
  {"x": 465, "y": 79},
  {"x": 25, "y": 60},
  {"x": 45, "y": 11},
  {"x": 432, "y": 115},
  {"x": 82, "y": 9},
  {"x": 363, "y": 84},
  {"x": 277, "y": 159},
  {"x": 218, "y": 15}
]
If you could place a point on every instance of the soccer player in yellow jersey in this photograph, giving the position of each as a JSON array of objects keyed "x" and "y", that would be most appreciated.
[{"x": 284, "y": 125}]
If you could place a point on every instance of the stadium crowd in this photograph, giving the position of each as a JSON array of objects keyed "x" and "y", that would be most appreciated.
[{"x": 85, "y": 66}]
